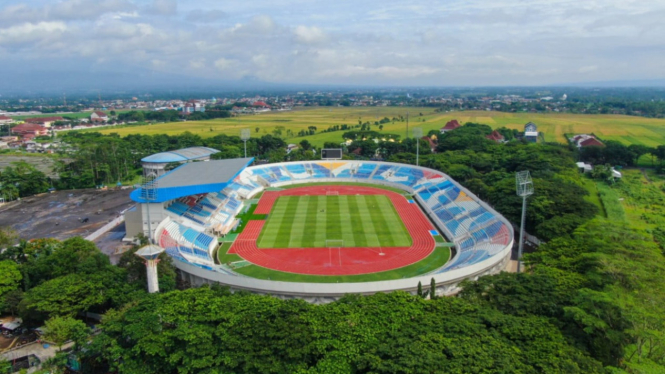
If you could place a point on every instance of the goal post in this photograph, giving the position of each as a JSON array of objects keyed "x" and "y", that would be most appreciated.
[{"x": 334, "y": 243}]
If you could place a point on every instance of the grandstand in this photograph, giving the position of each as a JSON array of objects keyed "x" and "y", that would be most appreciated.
[{"x": 197, "y": 204}]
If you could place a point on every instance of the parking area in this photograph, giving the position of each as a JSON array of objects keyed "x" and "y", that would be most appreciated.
[{"x": 64, "y": 214}]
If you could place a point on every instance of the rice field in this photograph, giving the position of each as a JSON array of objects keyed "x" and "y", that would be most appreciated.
[{"x": 626, "y": 129}]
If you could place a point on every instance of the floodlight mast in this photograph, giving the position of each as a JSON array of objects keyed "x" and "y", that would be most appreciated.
[
  {"x": 417, "y": 134},
  {"x": 524, "y": 186},
  {"x": 245, "y": 134}
]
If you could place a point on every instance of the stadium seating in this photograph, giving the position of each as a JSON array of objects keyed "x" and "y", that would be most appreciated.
[{"x": 477, "y": 232}]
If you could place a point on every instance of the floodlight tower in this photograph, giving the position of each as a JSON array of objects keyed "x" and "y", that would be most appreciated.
[
  {"x": 150, "y": 254},
  {"x": 524, "y": 186},
  {"x": 244, "y": 136},
  {"x": 417, "y": 134}
]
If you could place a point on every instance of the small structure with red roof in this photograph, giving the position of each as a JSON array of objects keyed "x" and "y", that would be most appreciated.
[
  {"x": 586, "y": 140},
  {"x": 496, "y": 136},
  {"x": 450, "y": 126},
  {"x": 4, "y": 120},
  {"x": 98, "y": 116}
]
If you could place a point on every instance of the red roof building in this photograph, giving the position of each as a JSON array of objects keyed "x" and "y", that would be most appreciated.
[
  {"x": 29, "y": 128},
  {"x": 450, "y": 126},
  {"x": 5, "y": 120},
  {"x": 591, "y": 142},
  {"x": 585, "y": 140},
  {"x": 46, "y": 121},
  {"x": 496, "y": 137}
]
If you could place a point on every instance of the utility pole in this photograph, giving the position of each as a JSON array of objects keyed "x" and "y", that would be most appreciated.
[
  {"x": 524, "y": 186},
  {"x": 407, "y": 124}
]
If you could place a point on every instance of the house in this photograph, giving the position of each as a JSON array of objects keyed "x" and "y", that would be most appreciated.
[
  {"x": 585, "y": 140},
  {"x": 496, "y": 136},
  {"x": 26, "y": 129},
  {"x": 291, "y": 147},
  {"x": 450, "y": 126},
  {"x": 531, "y": 132},
  {"x": 4, "y": 120},
  {"x": 591, "y": 142},
  {"x": 430, "y": 141},
  {"x": 98, "y": 116},
  {"x": 45, "y": 121}
]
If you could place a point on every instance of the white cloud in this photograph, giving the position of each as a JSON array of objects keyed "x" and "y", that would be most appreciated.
[
  {"x": 309, "y": 35},
  {"x": 31, "y": 32}
]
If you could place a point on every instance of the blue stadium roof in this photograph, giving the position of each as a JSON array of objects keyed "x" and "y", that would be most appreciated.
[
  {"x": 180, "y": 155},
  {"x": 194, "y": 178}
]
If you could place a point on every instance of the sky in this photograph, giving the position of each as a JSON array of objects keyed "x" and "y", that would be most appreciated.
[{"x": 340, "y": 42}]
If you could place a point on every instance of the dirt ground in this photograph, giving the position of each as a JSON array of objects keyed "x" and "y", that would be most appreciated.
[{"x": 57, "y": 215}]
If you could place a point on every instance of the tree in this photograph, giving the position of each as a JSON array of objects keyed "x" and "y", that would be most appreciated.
[
  {"x": 64, "y": 296},
  {"x": 305, "y": 145},
  {"x": 10, "y": 277},
  {"x": 8, "y": 236},
  {"x": 432, "y": 289},
  {"x": 59, "y": 330}
]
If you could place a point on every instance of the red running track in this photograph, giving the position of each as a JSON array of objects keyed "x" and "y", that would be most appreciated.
[{"x": 337, "y": 261}]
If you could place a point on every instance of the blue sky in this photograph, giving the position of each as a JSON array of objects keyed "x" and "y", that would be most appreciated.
[{"x": 433, "y": 43}]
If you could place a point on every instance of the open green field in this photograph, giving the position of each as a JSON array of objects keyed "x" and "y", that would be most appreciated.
[
  {"x": 310, "y": 221},
  {"x": 627, "y": 129}
]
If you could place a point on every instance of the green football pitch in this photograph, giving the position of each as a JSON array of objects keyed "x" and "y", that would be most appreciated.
[{"x": 323, "y": 221}]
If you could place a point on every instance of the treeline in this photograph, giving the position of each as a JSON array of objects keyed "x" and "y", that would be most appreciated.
[
  {"x": 172, "y": 115},
  {"x": 20, "y": 179},
  {"x": 617, "y": 154},
  {"x": 95, "y": 159}
]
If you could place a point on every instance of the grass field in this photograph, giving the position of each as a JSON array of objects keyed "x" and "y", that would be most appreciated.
[
  {"x": 357, "y": 220},
  {"x": 626, "y": 129}
]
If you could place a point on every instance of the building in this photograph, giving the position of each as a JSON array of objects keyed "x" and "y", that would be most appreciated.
[
  {"x": 156, "y": 163},
  {"x": 4, "y": 120},
  {"x": 496, "y": 136},
  {"x": 430, "y": 142},
  {"x": 45, "y": 121},
  {"x": 27, "y": 129},
  {"x": 586, "y": 140},
  {"x": 531, "y": 132},
  {"x": 193, "y": 106},
  {"x": 450, "y": 126},
  {"x": 98, "y": 116}
]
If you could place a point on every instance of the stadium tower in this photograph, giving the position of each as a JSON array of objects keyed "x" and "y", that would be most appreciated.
[{"x": 150, "y": 254}]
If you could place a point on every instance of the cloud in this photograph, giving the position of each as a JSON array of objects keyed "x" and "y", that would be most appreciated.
[
  {"x": 162, "y": 8},
  {"x": 309, "y": 35},
  {"x": 206, "y": 16},
  {"x": 457, "y": 42},
  {"x": 31, "y": 32}
]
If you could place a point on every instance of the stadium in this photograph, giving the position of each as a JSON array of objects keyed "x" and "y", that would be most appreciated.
[{"x": 317, "y": 230}]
